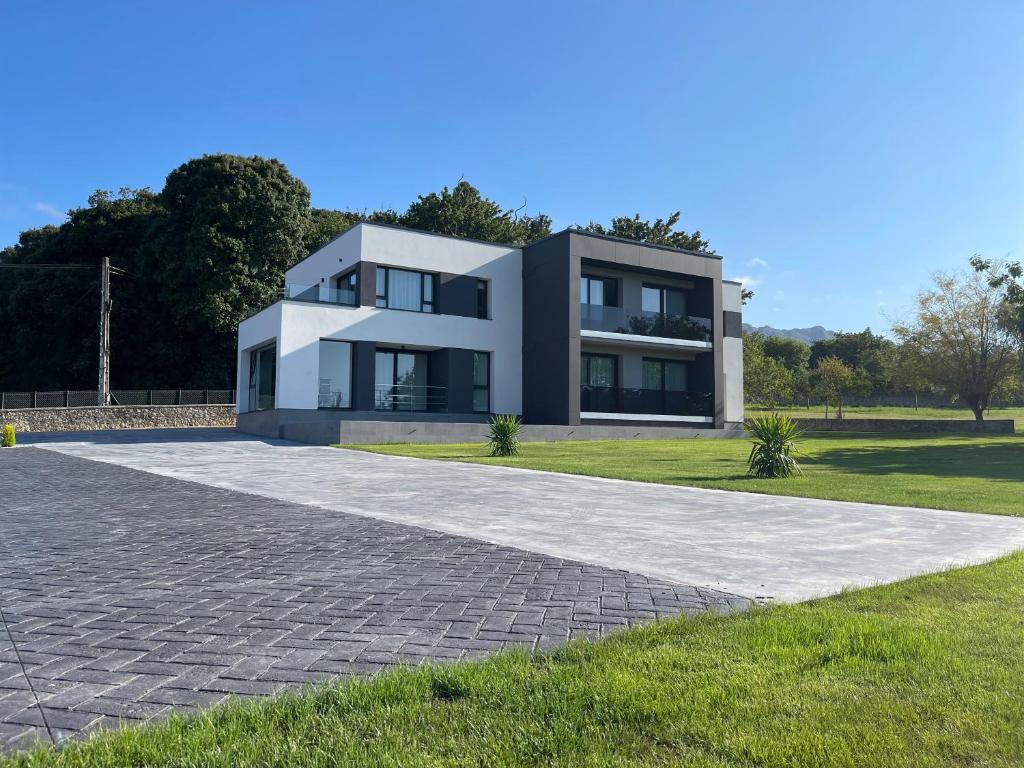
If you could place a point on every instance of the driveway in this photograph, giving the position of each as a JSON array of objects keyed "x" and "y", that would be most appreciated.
[
  {"x": 124, "y": 594},
  {"x": 767, "y": 547}
]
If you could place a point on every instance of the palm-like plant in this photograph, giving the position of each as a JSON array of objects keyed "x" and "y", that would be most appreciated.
[
  {"x": 775, "y": 442},
  {"x": 503, "y": 434}
]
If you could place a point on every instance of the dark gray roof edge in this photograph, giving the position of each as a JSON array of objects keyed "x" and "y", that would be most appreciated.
[
  {"x": 732, "y": 282},
  {"x": 567, "y": 230}
]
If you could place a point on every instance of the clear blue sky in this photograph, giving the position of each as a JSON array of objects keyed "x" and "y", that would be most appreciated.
[{"x": 834, "y": 153}]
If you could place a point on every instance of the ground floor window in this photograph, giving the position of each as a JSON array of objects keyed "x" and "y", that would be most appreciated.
[
  {"x": 664, "y": 375},
  {"x": 599, "y": 370},
  {"x": 400, "y": 381},
  {"x": 335, "y": 374},
  {"x": 263, "y": 378},
  {"x": 481, "y": 382}
]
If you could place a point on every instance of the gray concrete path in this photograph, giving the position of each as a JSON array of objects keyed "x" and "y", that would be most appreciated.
[{"x": 769, "y": 547}]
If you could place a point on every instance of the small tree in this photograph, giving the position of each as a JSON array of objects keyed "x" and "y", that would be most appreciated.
[
  {"x": 834, "y": 379},
  {"x": 766, "y": 381},
  {"x": 961, "y": 338}
]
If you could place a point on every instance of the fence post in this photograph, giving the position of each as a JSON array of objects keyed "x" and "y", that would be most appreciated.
[
  {"x": 179, "y": 397},
  {"x": 149, "y": 397},
  {"x": 206, "y": 397},
  {"x": 33, "y": 399},
  {"x": 67, "y": 398}
]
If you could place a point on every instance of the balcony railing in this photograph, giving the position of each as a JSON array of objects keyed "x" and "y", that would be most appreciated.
[
  {"x": 594, "y": 317},
  {"x": 645, "y": 401},
  {"x": 410, "y": 397},
  {"x": 318, "y": 293}
]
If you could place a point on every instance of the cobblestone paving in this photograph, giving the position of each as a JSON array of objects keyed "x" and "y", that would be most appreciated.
[{"x": 127, "y": 594}]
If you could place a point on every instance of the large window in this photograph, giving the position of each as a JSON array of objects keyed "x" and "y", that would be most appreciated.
[
  {"x": 599, "y": 370},
  {"x": 263, "y": 378},
  {"x": 481, "y": 382},
  {"x": 664, "y": 375},
  {"x": 663, "y": 300},
  {"x": 602, "y": 291},
  {"x": 346, "y": 288},
  {"x": 405, "y": 289},
  {"x": 335, "y": 374},
  {"x": 481, "y": 299},
  {"x": 400, "y": 382}
]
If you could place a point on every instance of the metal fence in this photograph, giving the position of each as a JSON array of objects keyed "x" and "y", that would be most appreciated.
[{"x": 77, "y": 398}]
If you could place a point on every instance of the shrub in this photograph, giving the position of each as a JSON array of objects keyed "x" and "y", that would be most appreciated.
[
  {"x": 503, "y": 435},
  {"x": 7, "y": 437},
  {"x": 775, "y": 440}
]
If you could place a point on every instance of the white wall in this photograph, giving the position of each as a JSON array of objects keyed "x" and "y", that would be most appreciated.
[
  {"x": 732, "y": 296},
  {"x": 300, "y": 326},
  {"x": 733, "y": 361},
  {"x": 253, "y": 332}
]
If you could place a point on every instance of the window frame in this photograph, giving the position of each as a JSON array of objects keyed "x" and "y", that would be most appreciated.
[
  {"x": 663, "y": 290},
  {"x": 351, "y": 375},
  {"x": 663, "y": 362},
  {"x": 483, "y": 290},
  {"x": 485, "y": 387},
  {"x": 352, "y": 277},
  {"x": 382, "y": 301},
  {"x": 585, "y": 369},
  {"x": 614, "y": 281}
]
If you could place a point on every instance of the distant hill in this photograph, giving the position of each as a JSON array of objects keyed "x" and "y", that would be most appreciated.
[{"x": 806, "y": 335}]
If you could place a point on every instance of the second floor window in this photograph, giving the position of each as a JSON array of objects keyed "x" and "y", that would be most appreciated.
[
  {"x": 405, "y": 289},
  {"x": 481, "y": 299},
  {"x": 602, "y": 291}
]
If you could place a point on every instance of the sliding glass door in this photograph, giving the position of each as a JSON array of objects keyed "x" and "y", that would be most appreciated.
[
  {"x": 400, "y": 380},
  {"x": 262, "y": 378}
]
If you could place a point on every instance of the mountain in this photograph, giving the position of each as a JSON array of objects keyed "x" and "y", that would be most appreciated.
[{"x": 806, "y": 335}]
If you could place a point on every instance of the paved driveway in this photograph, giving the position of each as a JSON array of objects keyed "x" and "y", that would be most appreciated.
[
  {"x": 769, "y": 547},
  {"x": 124, "y": 594}
]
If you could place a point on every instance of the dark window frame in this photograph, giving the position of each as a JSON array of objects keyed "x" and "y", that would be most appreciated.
[
  {"x": 614, "y": 281},
  {"x": 426, "y": 278},
  {"x": 351, "y": 375},
  {"x": 585, "y": 369},
  {"x": 485, "y": 387},
  {"x": 352, "y": 277},
  {"x": 662, "y": 290},
  {"x": 394, "y": 352},
  {"x": 483, "y": 299},
  {"x": 666, "y": 360}
]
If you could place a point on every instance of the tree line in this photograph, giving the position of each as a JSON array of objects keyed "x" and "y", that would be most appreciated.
[
  {"x": 199, "y": 256},
  {"x": 962, "y": 344}
]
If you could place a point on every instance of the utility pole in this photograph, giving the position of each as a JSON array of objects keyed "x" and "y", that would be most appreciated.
[{"x": 103, "y": 390}]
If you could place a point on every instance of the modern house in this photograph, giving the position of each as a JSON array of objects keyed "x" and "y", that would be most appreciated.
[{"x": 385, "y": 324}]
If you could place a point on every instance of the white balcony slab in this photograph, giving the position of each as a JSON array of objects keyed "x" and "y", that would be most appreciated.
[
  {"x": 643, "y": 342},
  {"x": 645, "y": 417}
]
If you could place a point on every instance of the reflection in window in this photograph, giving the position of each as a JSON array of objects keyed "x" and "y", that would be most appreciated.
[
  {"x": 481, "y": 382},
  {"x": 335, "y": 374}
]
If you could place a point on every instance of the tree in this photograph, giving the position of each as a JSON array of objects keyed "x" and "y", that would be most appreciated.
[
  {"x": 326, "y": 224},
  {"x": 960, "y": 338},
  {"x": 1009, "y": 278},
  {"x": 766, "y": 381},
  {"x": 864, "y": 351},
  {"x": 835, "y": 380},
  {"x": 658, "y": 232},
  {"x": 793, "y": 354},
  {"x": 463, "y": 212},
  {"x": 234, "y": 225}
]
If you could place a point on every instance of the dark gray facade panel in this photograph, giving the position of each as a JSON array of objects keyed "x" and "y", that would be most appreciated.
[
  {"x": 457, "y": 295},
  {"x": 364, "y": 367},
  {"x": 732, "y": 324},
  {"x": 367, "y": 284},
  {"x": 550, "y": 299},
  {"x": 452, "y": 368}
]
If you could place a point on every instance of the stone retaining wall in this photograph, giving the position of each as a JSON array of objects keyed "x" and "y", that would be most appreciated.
[
  {"x": 995, "y": 426},
  {"x": 118, "y": 417}
]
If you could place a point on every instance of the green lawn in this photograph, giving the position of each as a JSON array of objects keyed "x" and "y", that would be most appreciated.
[
  {"x": 928, "y": 672},
  {"x": 970, "y": 473},
  {"x": 893, "y": 412}
]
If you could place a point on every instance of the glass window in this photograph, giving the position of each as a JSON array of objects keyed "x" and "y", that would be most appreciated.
[
  {"x": 664, "y": 375},
  {"x": 263, "y": 378},
  {"x": 405, "y": 289},
  {"x": 400, "y": 381},
  {"x": 481, "y": 382},
  {"x": 335, "y": 374},
  {"x": 599, "y": 370},
  {"x": 602, "y": 291},
  {"x": 666, "y": 301},
  {"x": 346, "y": 289},
  {"x": 481, "y": 299},
  {"x": 650, "y": 299}
]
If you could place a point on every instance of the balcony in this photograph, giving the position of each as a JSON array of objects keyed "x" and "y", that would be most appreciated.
[
  {"x": 321, "y": 294},
  {"x": 601, "y": 321},
  {"x": 409, "y": 397},
  {"x": 607, "y": 402}
]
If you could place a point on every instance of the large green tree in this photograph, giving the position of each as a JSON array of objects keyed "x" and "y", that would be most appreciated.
[
  {"x": 657, "y": 232},
  {"x": 463, "y": 212},
  {"x": 862, "y": 351}
]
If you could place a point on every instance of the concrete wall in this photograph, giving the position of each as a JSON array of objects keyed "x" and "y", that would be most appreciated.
[
  {"x": 995, "y": 426},
  {"x": 118, "y": 417}
]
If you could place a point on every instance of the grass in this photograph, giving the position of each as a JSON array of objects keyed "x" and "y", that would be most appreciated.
[
  {"x": 928, "y": 672},
  {"x": 968, "y": 473},
  {"x": 896, "y": 412}
]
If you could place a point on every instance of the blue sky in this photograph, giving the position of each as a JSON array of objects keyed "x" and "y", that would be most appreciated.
[{"x": 834, "y": 153}]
